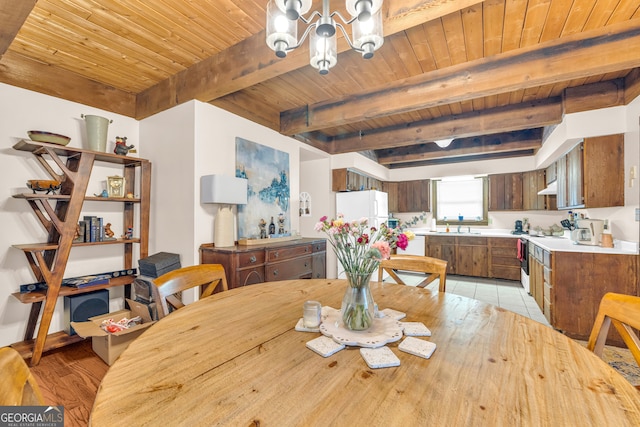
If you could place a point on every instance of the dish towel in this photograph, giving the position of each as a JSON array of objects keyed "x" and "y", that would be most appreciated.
[{"x": 520, "y": 251}]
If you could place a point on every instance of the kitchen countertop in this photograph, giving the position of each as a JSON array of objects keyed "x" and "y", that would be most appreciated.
[{"x": 550, "y": 243}]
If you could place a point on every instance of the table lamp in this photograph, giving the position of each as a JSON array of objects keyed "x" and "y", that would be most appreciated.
[{"x": 225, "y": 191}]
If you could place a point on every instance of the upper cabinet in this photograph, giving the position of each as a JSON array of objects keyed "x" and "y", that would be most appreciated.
[
  {"x": 348, "y": 180},
  {"x": 505, "y": 192},
  {"x": 408, "y": 196},
  {"x": 591, "y": 175}
]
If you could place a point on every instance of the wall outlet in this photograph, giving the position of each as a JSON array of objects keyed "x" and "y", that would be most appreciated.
[{"x": 638, "y": 214}]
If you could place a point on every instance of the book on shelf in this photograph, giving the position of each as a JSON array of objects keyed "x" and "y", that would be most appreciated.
[{"x": 85, "y": 281}]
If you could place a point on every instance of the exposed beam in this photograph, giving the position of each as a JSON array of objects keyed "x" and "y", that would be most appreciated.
[
  {"x": 251, "y": 61},
  {"x": 20, "y": 71},
  {"x": 632, "y": 86},
  {"x": 594, "y": 96},
  {"x": 499, "y": 143},
  {"x": 581, "y": 55},
  {"x": 496, "y": 120},
  {"x": 13, "y": 13},
  {"x": 461, "y": 159}
]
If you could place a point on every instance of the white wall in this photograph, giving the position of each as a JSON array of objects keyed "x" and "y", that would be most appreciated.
[{"x": 20, "y": 111}]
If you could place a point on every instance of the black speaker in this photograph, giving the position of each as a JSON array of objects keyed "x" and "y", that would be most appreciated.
[{"x": 79, "y": 308}]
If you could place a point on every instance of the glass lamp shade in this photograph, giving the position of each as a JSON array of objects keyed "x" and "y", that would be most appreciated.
[
  {"x": 282, "y": 33},
  {"x": 323, "y": 52},
  {"x": 294, "y": 8},
  {"x": 367, "y": 34},
  {"x": 363, "y": 9}
]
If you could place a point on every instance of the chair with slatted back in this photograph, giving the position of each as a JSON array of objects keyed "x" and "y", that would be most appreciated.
[
  {"x": 435, "y": 269},
  {"x": 168, "y": 287},
  {"x": 18, "y": 386},
  {"x": 623, "y": 311}
]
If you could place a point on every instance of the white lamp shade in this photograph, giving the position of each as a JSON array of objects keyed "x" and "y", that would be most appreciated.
[
  {"x": 223, "y": 189},
  {"x": 443, "y": 143}
]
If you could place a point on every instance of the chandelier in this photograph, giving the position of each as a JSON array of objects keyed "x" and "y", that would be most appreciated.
[{"x": 282, "y": 29}]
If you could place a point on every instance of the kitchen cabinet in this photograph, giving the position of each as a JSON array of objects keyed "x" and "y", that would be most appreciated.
[
  {"x": 391, "y": 188},
  {"x": 414, "y": 196},
  {"x": 503, "y": 258},
  {"x": 408, "y": 196},
  {"x": 591, "y": 174},
  {"x": 568, "y": 286},
  {"x": 476, "y": 256},
  {"x": 471, "y": 256},
  {"x": 348, "y": 180},
  {"x": 48, "y": 260},
  {"x": 442, "y": 247},
  {"x": 551, "y": 173},
  {"x": 532, "y": 183},
  {"x": 248, "y": 265},
  {"x": 505, "y": 192}
]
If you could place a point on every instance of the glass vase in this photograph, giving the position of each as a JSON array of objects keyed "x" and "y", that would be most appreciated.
[{"x": 357, "y": 304}]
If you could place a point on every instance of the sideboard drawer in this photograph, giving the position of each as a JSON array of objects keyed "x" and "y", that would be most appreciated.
[
  {"x": 250, "y": 259},
  {"x": 297, "y": 268},
  {"x": 320, "y": 246},
  {"x": 281, "y": 254}
]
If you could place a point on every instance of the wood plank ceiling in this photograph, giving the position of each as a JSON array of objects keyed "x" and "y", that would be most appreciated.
[{"x": 493, "y": 74}]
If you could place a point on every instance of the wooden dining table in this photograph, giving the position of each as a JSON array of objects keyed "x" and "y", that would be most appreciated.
[{"x": 235, "y": 359}]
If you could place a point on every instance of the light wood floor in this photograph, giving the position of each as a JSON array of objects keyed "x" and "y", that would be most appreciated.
[{"x": 70, "y": 377}]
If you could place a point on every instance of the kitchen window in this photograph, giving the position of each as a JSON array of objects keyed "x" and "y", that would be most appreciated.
[{"x": 465, "y": 196}]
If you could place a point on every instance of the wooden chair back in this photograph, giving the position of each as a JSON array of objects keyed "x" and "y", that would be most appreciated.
[
  {"x": 168, "y": 287},
  {"x": 435, "y": 269},
  {"x": 18, "y": 386},
  {"x": 623, "y": 311}
]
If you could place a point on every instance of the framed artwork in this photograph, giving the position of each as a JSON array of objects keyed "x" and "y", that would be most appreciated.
[{"x": 268, "y": 191}]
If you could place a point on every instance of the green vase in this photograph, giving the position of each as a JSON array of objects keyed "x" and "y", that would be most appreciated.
[{"x": 358, "y": 309}]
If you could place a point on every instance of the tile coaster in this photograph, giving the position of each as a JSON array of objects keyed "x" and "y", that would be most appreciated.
[
  {"x": 417, "y": 347},
  {"x": 394, "y": 314},
  {"x": 301, "y": 328},
  {"x": 381, "y": 357},
  {"x": 415, "y": 329},
  {"x": 324, "y": 346}
]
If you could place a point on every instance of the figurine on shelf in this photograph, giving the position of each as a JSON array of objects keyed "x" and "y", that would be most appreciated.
[
  {"x": 129, "y": 234},
  {"x": 77, "y": 237},
  {"x": 108, "y": 232},
  {"x": 103, "y": 194},
  {"x": 263, "y": 228},
  {"x": 281, "y": 223},
  {"x": 121, "y": 147}
]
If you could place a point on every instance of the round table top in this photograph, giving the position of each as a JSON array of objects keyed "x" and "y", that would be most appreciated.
[{"x": 235, "y": 359}]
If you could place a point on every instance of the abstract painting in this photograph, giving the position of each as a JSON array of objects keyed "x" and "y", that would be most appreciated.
[{"x": 268, "y": 192}]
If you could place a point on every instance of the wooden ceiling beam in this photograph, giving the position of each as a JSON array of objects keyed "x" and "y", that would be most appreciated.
[
  {"x": 572, "y": 57},
  {"x": 485, "y": 144},
  {"x": 502, "y": 119},
  {"x": 13, "y": 13},
  {"x": 251, "y": 61}
]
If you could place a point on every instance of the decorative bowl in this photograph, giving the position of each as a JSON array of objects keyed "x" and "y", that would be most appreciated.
[
  {"x": 54, "y": 138},
  {"x": 48, "y": 185}
]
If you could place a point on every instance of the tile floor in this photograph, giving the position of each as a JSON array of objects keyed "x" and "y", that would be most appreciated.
[{"x": 507, "y": 294}]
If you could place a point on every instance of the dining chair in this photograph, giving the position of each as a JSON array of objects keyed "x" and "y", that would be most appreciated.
[
  {"x": 168, "y": 287},
  {"x": 624, "y": 312},
  {"x": 435, "y": 269},
  {"x": 18, "y": 386}
]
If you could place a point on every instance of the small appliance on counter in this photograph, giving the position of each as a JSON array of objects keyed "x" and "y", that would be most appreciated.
[
  {"x": 587, "y": 232},
  {"x": 393, "y": 222},
  {"x": 518, "y": 228}
]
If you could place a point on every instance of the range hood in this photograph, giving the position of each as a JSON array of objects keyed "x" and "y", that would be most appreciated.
[{"x": 551, "y": 189}]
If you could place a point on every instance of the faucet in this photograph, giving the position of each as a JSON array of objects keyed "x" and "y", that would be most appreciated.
[
  {"x": 469, "y": 229},
  {"x": 459, "y": 229}
]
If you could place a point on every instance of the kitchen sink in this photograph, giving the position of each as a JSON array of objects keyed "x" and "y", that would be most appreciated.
[{"x": 461, "y": 233}]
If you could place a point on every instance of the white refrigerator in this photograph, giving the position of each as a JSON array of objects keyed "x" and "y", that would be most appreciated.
[
  {"x": 370, "y": 204},
  {"x": 355, "y": 205}
]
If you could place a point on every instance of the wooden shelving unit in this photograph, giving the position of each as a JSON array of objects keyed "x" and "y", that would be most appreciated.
[{"x": 59, "y": 215}]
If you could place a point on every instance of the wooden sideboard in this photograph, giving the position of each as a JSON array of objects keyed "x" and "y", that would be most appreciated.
[{"x": 247, "y": 265}]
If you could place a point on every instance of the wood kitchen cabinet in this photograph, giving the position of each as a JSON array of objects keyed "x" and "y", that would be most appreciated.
[
  {"x": 505, "y": 192},
  {"x": 591, "y": 175},
  {"x": 532, "y": 183},
  {"x": 503, "y": 258},
  {"x": 568, "y": 286},
  {"x": 391, "y": 188},
  {"x": 248, "y": 265},
  {"x": 471, "y": 256},
  {"x": 476, "y": 256},
  {"x": 348, "y": 180}
]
